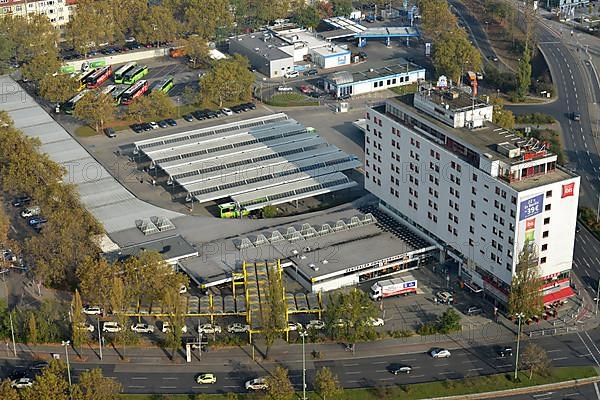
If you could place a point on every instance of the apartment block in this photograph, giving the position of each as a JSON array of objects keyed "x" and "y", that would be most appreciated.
[
  {"x": 436, "y": 161},
  {"x": 58, "y": 11}
]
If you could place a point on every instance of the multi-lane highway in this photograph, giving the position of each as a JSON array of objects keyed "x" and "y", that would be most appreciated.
[{"x": 586, "y": 260}]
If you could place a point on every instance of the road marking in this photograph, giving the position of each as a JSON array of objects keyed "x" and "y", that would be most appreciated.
[
  {"x": 136, "y": 387},
  {"x": 168, "y": 387},
  {"x": 381, "y": 370},
  {"x": 378, "y": 362},
  {"x": 353, "y": 372},
  {"x": 409, "y": 359},
  {"x": 350, "y": 365},
  {"x": 553, "y": 351},
  {"x": 466, "y": 362},
  {"x": 504, "y": 366},
  {"x": 559, "y": 358},
  {"x": 543, "y": 394},
  {"x": 138, "y": 378},
  {"x": 596, "y": 388},
  {"x": 476, "y": 369},
  {"x": 442, "y": 365},
  {"x": 230, "y": 386},
  {"x": 418, "y": 376},
  {"x": 386, "y": 379},
  {"x": 170, "y": 379},
  {"x": 353, "y": 381}
]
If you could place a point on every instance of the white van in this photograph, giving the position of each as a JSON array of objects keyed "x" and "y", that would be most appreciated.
[{"x": 30, "y": 212}]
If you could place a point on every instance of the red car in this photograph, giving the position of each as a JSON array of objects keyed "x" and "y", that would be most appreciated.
[{"x": 305, "y": 89}]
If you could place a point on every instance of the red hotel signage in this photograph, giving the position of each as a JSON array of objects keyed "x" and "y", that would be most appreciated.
[
  {"x": 568, "y": 189},
  {"x": 530, "y": 224}
]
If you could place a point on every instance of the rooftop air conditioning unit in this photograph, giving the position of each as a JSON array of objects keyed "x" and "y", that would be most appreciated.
[
  {"x": 325, "y": 262},
  {"x": 303, "y": 257},
  {"x": 294, "y": 252}
]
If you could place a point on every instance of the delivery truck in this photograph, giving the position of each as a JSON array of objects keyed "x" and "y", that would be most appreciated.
[{"x": 404, "y": 285}]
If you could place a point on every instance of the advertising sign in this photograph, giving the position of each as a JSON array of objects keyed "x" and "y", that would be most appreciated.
[
  {"x": 409, "y": 284},
  {"x": 531, "y": 207},
  {"x": 568, "y": 190}
]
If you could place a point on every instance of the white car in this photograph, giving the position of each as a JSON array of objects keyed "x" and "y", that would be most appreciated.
[
  {"x": 439, "y": 353},
  {"x": 316, "y": 324},
  {"x": 21, "y": 383},
  {"x": 84, "y": 326},
  {"x": 226, "y": 111},
  {"x": 166, "y": 327},
  {"x": 111, "y": 327},
  {"x": 209, "y": 328},
  {"x": 92, "y": 310},
  {"x": 285, "y": 89},
  {"x": 142, "y": 328},
  {"x": 238, "y": 328},
  {"x": 377, "y": 322},
  {"x": 294, "y": 326},
  {"x": 30, "y": 212},
  {"x": 154, "y": 125},
  {"x": 291, "y": 74},
  {"x": 182, "y": 289},
  {"x": 257, "y": 384}
]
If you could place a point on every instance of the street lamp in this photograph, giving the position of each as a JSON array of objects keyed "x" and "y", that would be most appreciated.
[
  {"x": 66, "y": 344},
  {"x": 303, "y": 334},
  {"x": 99, "y": 337},
  {"x": 519, "y": 316}
]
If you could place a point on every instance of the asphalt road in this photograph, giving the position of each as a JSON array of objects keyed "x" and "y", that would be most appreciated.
[
  {"x": 360, "y": 370},
  {"x": 586, "y": 392},
  {"x": 586, "y": 260}
]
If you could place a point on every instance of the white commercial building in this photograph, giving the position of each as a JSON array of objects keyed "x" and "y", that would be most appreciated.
[
  {"x": 483, "y": 193},
  {"x": 57, "y": 11}
]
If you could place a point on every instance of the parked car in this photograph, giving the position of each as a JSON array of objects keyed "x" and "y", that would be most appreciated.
[
  {"x": 163, "y": 124},
  {"x": 154, "y": 125},
  {"x": 377, "y": 321},
  {"x": 250, "y": 105},
  {"x": 444, "y": 297},
  {"x": 305, "y": 89},
  {"x": 439, "y": 353},
  {"x": 84, "y": 326},
  {"x": 112, "y": 327},
  {"x": 238, "y": 328},
  {"x": 256, "y": 384},
  {"x": 238, "y": 109},
  {"x": 39, "y": 365},
  {"x": 37, "y": 220},
  {"x": 294, "y": 326},
  {"x": 171, "y": 122},
  {"x": 291, "y": 74},
  {"x": 110, "y": 132},
  {"x": 166, "y": 327},
  {"x": 311, "y": 72},
  {"x": 473, "y": 310},
  {"x": 400, "y": 369},
  {"x": 137, "y": 128},
  {"x": 346, "y": 96},
  {"x": 9, "y": 256},
  {"x": 505, "y": 351},
  {"x": 206, "y": 379},
  {"x": 147, "y": 127},
  {"x": 199, "y": 115},
  {"x": 142, "y": 328},
  {"x": 212, "y": 114},
  {"x": 92, "y": 310},
  {"x": 188, "y": 117},
  {"x": 316, "y": 324},
  {"x": 363, "y": 55},
  {"x": 209, "y": 328},
  {"x": 226, "y": 111},
  {"x": 21, "y": 201},
  {"x": 31, "y": 211},
  {"x": 22, "y": 383},
  {"x": 285, "y": 89}
]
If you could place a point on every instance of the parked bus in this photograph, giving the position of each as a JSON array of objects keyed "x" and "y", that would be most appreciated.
[
  {"x": 163, "y": 85},
  {"x": 108, "y": 90},
  {"x": 83, "y": 78},
  {"x": 69, "y": 106},
  {"x": 99, "y": 76},
  {"x": 135, "y": 74},
  {"x": 122, "y": 71},
  {"x": 136, "y": 90},
  {"x": 118, "y": 93}
]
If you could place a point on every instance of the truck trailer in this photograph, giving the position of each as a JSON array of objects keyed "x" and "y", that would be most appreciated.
[{"x": 405, "y": 285}]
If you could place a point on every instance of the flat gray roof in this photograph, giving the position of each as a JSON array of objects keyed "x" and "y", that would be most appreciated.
[
  {"x": 111, "y": 203},
  {"x": 269, "y": 48},
  {"x": 346, "y": 77},
  {"x": 173, "y": 248}
]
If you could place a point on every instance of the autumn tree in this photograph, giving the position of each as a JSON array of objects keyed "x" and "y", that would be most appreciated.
[
  {"x": 158, "y": 25},
  {"x": 126, "y": 16},
  {"x": 535, "y": 359},
  {"x": 501, "y": 116},
  {"x": 41, "y": 67},
  {"x": 161, "y": 105},
  {"x": 119, "y": 301},
  {"x": 7, "y": 392},
  {"x": 96, "y": 110},
  {"x": 342, "y": 8},
  {"x": 50, "y": 384},
  {"x": 307, "y": 16},
  {"x": 95, "y": 276},
  {"x": 273, "y": 312},
  {"x": 93, "y": 385},
  {"x": 204, "y": 17},
  {"x": 78, "y": 335},
  {"x": 436, "y": 18},
  {"x": 174, "y": 309},
  {"x": 32, "y": 332},
  {"x": 279, "y": 386},
  {"x": 30, "y": 36},
  {"x": 196, "y": 48},
  {"x": 348, "y": 316},
  {"x": 327, "y": 385},
  {"x": 92, "y": 24},
  {"x": 525, "y": 295},
  {"x": 228, "y": 80},
  {"x": 58, "y": 88},
  {"x": 453, "y": 53}
]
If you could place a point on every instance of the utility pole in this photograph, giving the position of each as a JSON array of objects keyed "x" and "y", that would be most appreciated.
[
  {"x": 303, "y": 334},
  {"x": 99, "y": 337},
  {"x": 66, "y": 345},
  {"x": 519, "y": 316},
  {"x": 12, "y": 333}
]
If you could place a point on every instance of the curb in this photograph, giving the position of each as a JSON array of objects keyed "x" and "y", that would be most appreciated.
[{"x": 525, "y": 390}]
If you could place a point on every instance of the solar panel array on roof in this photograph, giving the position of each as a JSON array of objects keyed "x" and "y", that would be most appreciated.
[{"x": 265, "y": 153}]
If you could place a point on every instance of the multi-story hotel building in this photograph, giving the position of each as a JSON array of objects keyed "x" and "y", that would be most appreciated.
[
  {"x": 435, "y": 160},
  {"x": 57, "y": 11}
]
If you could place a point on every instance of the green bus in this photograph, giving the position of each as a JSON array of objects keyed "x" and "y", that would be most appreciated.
[
  {"x": 123, "y": 70},
  {"x": 163, "y": 85},
  {"x": 135, "y": 74},
  {"x": 117, "y": 93},
  {"x": 231, "y": 210},
  {"x": 69, "y": 106}
]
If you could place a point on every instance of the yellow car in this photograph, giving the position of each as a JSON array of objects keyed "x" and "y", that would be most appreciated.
[{"x": 206, "y": 379}]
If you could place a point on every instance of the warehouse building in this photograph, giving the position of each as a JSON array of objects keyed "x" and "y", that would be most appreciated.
[{"x": 265, "y": 53}]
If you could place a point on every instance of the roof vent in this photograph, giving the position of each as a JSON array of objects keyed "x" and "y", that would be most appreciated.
[
  {"x": 256, "y": 49},
  {"x": 371, "y": 70},
  {"x": 325, "y": 262},
  {"x": 303, "y": 257},
  {"x": 294, "y": 252},
  {"x": 306, "y": 249},
  {"x": 312, "y": 265}
]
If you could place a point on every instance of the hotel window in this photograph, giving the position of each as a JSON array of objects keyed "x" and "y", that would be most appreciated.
[
  {"x": 546, "y": 220},
  {"x": 545, "y": 234},
  {"x": 544, "y": 247},
  {"x": 474, "y": 177},
  {"x": 547, "y": 207},
  {"x": 549, "y": 193},
  {"x": 543, "y": 260}
]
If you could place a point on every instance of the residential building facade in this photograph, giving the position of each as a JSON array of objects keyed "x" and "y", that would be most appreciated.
[
  {"x": 57, "y": 11},
  {"x": 481, "y": 192}
]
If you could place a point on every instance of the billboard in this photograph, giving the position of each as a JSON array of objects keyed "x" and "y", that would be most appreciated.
[
  {"x": 531, "y": 207},
  {"x": 568, "y": 190}
]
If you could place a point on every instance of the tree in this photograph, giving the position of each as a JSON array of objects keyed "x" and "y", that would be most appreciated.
[
  {"x": 307, "y": 16},
  {"x": 51, "y": 384},
  {"x": 119, "y": 303},
  {"x": 203, "y": 17},
  {"x": 436, "y": 18},
  {"x": 269, "y": 211},
  {"x": 32, "y": 332},
  {"x": 453, "y": 53},
  {"x": 40, "y": 67},
  {"x": 524, "y": 74},
  {"x": 525, "y": 294},
  {"x": 77, "y": 319},
  {"x": 158, "y": 25},
  {"x": 189, "y": 95},
  {"x": 327, "y": 384},
  {"x": 7, "y": 392},
  {"x": 348, "y": 316},
  {"x": 161, "y": 105},
  {"x": 30, "y": 36},
  {"x": 535, "y": 359},
  {"x": 93, "y": 385},
  {"x": 273, "y": 312},
  {"x": 449, "y": 321},
  {"x": 126, "y": 14},
  {"x": 342, "y": 8},
  {"x": 175, "y": 317},
  {"x": 197, "y": 50},
  {"x": 93, "y": 23},
  {"x": 7, "y": 48},
  {"x": 501, "y": 116},
  {"x": 95, "y": 280},
  {"x": 96, "y": 110},
  {"x": 279, "y": 386},
  {"x": 58, "y": 88},
  {"x": 140, "y": 109},
  {"x": 228, "y": 80}
]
